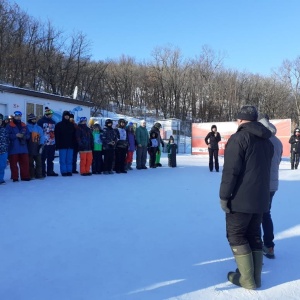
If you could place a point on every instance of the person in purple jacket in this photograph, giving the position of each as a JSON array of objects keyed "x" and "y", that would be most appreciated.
[
  {"x": 18, "y": 135},
  {"x": 131, "y": 146}
]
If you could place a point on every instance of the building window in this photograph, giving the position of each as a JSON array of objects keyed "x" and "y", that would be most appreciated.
[{"x": 36, "y": 109}]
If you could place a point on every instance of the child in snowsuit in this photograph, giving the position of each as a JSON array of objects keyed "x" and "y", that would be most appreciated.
[
  {"x": 172, "y": 149},
  {"x": 152, "y": 149}
]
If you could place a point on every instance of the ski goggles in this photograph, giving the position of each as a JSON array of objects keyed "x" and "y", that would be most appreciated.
[{"x": 17, "y": 113}]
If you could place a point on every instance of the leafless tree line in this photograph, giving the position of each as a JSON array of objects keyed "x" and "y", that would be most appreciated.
[{"x": 37, "y": 56}]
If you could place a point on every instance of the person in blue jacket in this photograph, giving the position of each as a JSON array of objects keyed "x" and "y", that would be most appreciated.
[
  {"x": 35, "y": 143},
  {"x": 18, "y": 134}
]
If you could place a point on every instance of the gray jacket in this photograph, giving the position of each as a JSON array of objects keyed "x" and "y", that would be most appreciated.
[{"x": 276, "y": 159}]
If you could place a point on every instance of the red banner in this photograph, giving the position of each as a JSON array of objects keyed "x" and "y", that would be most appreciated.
[{"x": 226, "y": 129}]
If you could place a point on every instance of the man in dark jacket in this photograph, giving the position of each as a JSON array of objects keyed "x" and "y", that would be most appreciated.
[
  {"x": 212, "y": 139},
  {"x": 64, "y": 139},
  {"x": 245, "y": 194}
]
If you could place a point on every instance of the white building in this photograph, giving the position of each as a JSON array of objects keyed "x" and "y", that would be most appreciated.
[{"x": 29, "y": 101}]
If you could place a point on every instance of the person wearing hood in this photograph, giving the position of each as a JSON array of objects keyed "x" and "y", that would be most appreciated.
[
  {"x": 35, "y": 143},
  {"x": 65, "y": 140},
  {"x": 267, "y": 223},
  {"x": 18, "y": 134},
  {"x": 156, "y": 128},
  {"x": 295, "y": 148},
  {"x": 245, "y": 193},
  {"x": 212, "y": 139}
]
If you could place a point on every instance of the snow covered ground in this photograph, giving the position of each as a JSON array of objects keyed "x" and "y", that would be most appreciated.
[{"x": 148, "y": 235}]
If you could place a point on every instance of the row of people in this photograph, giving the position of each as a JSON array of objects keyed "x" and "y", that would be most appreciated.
[{"x": 31, "y": 147}]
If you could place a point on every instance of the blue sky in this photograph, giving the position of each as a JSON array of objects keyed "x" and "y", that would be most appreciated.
[{"x": 255, "y": 35}]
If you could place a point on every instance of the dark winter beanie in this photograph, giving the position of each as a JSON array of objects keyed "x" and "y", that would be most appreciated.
[
  {"x": 247, "y": 113},
  {"x": 213, "y": 126}
]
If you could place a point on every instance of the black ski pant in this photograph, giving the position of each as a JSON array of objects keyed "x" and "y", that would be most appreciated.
[
  {"x": 213, "y": 155},
  {"x": 244, "y": 228}
]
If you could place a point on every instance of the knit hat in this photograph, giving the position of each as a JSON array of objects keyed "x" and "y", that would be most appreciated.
[
  {"x": 213, "y": 126},
  {"x": 71, "y": 116},
  {"x": 130, "y": 124},
  {"x": 1, "y": 117},
  {"x": 247, "y": 113},
  {"x": 48, "y": 111},
  {"x": 31, "y": 117},
  {"x": 82, "y": 119}
]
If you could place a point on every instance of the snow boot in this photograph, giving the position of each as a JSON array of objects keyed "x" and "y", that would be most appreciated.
[
  {"x": 257, "y": 262},
  {"x": 245, "y": 275},
  {"x": 129, "y": 166}
]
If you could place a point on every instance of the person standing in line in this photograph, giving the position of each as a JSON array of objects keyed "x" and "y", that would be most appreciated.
[
  {"x": 48, "y": 149},
  {"x": 295, "y": 149},
  {"x": 35, "y": 142},
  {"x": 85, "y": 146},
  {"x": 156, "y": 128},
  {"x": 131, "y": 146},
  {"x": 109, "y": 140},
  {"x": 75, "y": 149},
  {"x": 4, "y": 142},
  {"x": 152, "y": 149},
  {"x": 267, "y": 223},
  {"x": 142, "y": 139},
  {"x": 97, "y": 164},
  {"x": 172, "y": 149},
  {"x": 18, "y": 134},
  {"x": 244, "y": 195},
  {"x": 121, "y": 147},
  {"x": 212, "y": 139},
  {"x": 64, "y": 139}
]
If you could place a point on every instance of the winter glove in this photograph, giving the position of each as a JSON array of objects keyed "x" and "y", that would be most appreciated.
[{"x": 224, "y": 206}]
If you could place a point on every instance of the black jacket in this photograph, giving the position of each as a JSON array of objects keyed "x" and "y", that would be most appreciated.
[
  {"x": 295, "y": 143},
  {"x": 213, "y": 140},
  {"x": 64, "y": 134},
  {"x": 85, "y": 138},
  {"x": 246, "y": 171}
]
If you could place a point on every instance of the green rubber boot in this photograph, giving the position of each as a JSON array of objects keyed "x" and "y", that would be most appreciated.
[{"x": 244, "y": 277}]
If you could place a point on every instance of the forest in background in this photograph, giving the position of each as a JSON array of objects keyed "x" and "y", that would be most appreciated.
[{"x": 37, "y": 56}]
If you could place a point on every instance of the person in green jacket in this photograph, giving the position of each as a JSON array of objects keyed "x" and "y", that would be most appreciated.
[
  {"x": 97, "y": 164},
  {"x": 142, "y": 139}
]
